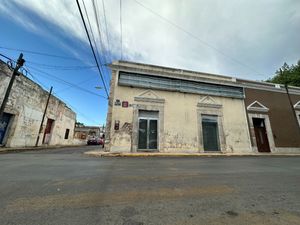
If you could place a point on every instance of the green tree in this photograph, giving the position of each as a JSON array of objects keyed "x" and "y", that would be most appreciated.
[
  {"x": 289, "y": 75},
  {"x": 79, "y": 124}
]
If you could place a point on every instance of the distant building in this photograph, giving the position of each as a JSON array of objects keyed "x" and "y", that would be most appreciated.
[
  {"x": 153, "y": 108},
  {"x": 82, "y": 133},
  {"x": 20, "y": 124}
]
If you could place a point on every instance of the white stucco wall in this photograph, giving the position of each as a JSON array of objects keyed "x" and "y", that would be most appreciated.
[
  {"x": 180, "y": 123},
  {"x": 26, "y": 103}
]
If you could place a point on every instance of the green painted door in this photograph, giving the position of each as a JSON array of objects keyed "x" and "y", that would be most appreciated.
[
  {"x": 143, "y": 133},
  {"x": 210, "y": 133},
  {"x": 148, "y": 130}
]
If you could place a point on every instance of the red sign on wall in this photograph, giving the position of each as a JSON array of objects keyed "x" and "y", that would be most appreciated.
[{"x": 125, "y": 104}]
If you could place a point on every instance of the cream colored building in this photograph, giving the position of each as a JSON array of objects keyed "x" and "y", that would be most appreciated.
[{"x": 154, "y": 108}]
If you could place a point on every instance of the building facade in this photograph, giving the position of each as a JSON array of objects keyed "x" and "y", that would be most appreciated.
[
  {"x": 23, "y": 114},
  {"x": 273, "y": 114},
  {"x": 161, "y": 109},
  {"x": 153, "y": 108}
]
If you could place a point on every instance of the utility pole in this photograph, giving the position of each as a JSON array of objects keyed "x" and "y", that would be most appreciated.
[
  {"x": 41, "y": 126},
  {"x": 19, "y": 64},
  {"x": 289, "y": 97}
]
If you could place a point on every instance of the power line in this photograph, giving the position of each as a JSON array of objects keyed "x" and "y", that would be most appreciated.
[
  {"x": 55, "y": 78},
  {"x": 7, "y": 57},
  {"x": 38, "y": 53},
  {"x": 35, "y": 79},
  {"x": 94, "y": 40},
  {"x": 75, "y": 109},
  {"x": 102, "y": 46},
  {"x": 46, "y": 88},
  {"x": 80, "y": 83},
  {"x": 107, "y": 34},
  {"x": 92, "y": 48},
  {"x": 59, "y": 67},
  {"x": 121, "y": 29},
  {"x": 54, "y": 67},
  {"x": 194, "y": 36}
]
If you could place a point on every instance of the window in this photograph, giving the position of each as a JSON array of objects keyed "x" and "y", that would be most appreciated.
[{"x": 67, "y": 133}]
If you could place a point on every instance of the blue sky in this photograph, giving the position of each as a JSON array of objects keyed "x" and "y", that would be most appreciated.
[
  {"x": 222, "y": 37},
  {"x": 90, "y": 109}
]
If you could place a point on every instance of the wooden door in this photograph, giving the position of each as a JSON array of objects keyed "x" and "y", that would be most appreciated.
[
  {"x": 261, "y": 135},
  {"x": 47, "y": 133}
]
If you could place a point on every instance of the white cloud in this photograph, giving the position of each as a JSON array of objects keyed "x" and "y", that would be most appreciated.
[{"x": 261, "y": 34}]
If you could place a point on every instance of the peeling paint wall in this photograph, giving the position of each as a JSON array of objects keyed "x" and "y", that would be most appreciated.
[
  {"x": 26, "y": 103},
  {"x": 180, "y": 131}
]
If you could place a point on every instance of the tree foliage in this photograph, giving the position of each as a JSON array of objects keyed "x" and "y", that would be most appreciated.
[
  {"x": 289, "y": 75},
  {"x": 79, "y": 124}
]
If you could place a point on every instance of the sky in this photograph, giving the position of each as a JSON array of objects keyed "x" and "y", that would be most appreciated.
[{"x": 241, "y": 38}]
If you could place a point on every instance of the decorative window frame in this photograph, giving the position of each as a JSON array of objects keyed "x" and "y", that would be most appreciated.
[
  {"x": 297, "y": 111},
  {"x": 297, "y": 106},
  {"x": 298, "y": 116},
  {"x": 262, "y": 108},
  {"x": 213, "y": 109}
]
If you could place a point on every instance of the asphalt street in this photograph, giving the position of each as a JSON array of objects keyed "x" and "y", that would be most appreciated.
[{"x": 63, "y": 186}]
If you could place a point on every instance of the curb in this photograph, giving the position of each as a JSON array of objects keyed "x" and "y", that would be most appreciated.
[
  {"x": 109, "y": 154},
  {"x": 39, "y": 148}
]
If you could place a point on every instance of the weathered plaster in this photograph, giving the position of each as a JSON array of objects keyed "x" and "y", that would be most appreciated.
[
  {"x": 179, "y": 131},
  {"x": 27, "y": 102}
]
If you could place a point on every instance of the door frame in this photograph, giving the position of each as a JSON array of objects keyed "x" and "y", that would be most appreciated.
[
  {"x": 268, "y": 130},
  {"x": 217, "y": 132},
  {"x": 135, "y": 125},
  {"x": 148, "y": 127},
  {"x": 50, "y": 133},
  {"x": 211, "y": 110},
  {"x": 265, "y": 136},
  {"x": 8, "y": 129}
]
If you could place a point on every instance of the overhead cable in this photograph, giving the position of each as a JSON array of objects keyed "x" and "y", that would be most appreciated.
[
  {"x": 195, "y": 37},
  {"x": 93, "y": 51}
]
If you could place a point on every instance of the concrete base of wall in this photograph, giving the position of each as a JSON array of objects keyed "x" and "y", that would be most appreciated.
[
  {"x": 32, "y": 148},
  {"x": 165, "y": 154},
  {"x": 286, "y": 150}
]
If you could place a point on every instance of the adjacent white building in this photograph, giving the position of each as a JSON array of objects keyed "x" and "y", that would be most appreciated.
[{"x": 23, "y": 114}]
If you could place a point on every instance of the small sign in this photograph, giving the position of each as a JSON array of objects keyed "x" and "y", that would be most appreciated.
[
  {"x": 117, "y": 102},
  {"x": 117, "y": 125},
  {"x": 125, "y": 104}
]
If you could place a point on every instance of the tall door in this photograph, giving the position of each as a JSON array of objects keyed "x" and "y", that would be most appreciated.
[
  {"x": 261, "y": 135},
  {"x": 143, "y": 134},
  {"x": 147, "y": 139},
  {"x": 4, "y": 121},
  {"x": 210, "y": 133},
  {"x": 47, "y": 133}
]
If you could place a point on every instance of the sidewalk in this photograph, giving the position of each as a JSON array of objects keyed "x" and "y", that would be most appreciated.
[
  {"x": 165, "y": 154},
  {"x": 32, "y": 148}
]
